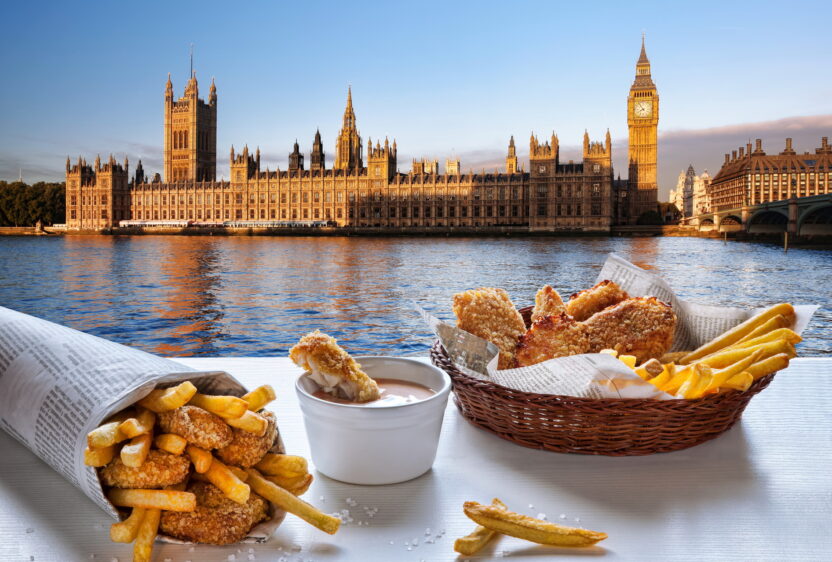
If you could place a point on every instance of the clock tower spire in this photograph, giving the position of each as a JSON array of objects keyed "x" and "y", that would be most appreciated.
[{"x": 642, "y": 122}]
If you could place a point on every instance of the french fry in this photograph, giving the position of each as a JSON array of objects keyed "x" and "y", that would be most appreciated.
[
  {"x": 163, "y": 400},
  {"x": 282, "y": 465},
  {"x": 105, "y": 435},
  {"x": 226, "y": 407},
  {"x": 629, "y": 360},
  {"x": 251, "y": 422},
  {"x": 148, "y": 529},
  {"x": 768, "y": 365},
  {"x": 287, "y": 482},
  {"x": 201, "y": 458},
  {"x": 720, "y": 377},
  {"x": 649, "y": 369},
  {"x": 259, "y": 397},
  {"x": 738, "y": 332},
  {"x": 100, "y": 456},
  {"x": 291, "y": 503},
  {"x": 142, "y": 423},
  {"x": 472, "y": 543},
  {"x": 672, "y": 357},
  {"x": 778, "y": 334},
  {"x": 302, "y": 486},
  {"x": 698, "y": 380},
  {"x": 528, "y": 528},
  {"x": 664, "y": 377},
  {"x": 678, "y": 379},
  {"x": 778, "y": 321},
  {"x": 167, "y": 500},
  {"x": 134, "y": 453},
  {"x": 727, "y": 357},
  {"x": 234, "y": 489},
  {"x": 171, "y": 443},
  {"x": 125, "y": 531},
  {"x": 739, "y": 382},
  {"x": 239, "y": 472}
]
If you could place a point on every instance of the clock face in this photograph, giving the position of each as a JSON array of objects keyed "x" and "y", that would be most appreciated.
[{"x": 643, "y": 108}]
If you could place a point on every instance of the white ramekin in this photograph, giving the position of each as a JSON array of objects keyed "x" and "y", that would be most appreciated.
[{"x": 382, "y": 444}]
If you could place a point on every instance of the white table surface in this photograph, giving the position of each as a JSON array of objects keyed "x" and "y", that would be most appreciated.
[{"x": 762, "y": 491}]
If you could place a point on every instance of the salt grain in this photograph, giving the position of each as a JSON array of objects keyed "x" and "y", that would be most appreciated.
[
  {"x": 252, "y": 557},
  {"x": 531, "y": 506},
  {"x": 416, "y": 542},
  {"x": 409, "y": 548},
  {"x": 232, "y": 558},
  {"x": 563, "y": 516},
  {"x": 577, "y": 520},
  {"x": 541, "y": 516},
  {"x": 427, "y": 531},
  {"x": 391, "y": 542}
]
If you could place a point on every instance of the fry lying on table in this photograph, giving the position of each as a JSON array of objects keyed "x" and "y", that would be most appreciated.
[{"x": 198, "y": 468}]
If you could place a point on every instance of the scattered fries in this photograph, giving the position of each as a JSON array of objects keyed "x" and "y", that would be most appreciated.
[
  {"x": 149, "y": 527},
  {"x": 251, "y": 422},
  {"x": 142, "y": 423},
  {"x": 126, "y": 531},
  {"x": 220, "y": 476},
  {"x": 99, "y": 457},
  {"x": 472, "y": 543},
  {"x": 134, "y": 453},
  {"x": 201, "y": 458},
  {"x": 171, "y": 443},
  {"x": 527, "y": 528}
]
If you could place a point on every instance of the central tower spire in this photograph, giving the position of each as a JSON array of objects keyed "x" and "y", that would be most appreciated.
[{"x": 348, "y": 149}]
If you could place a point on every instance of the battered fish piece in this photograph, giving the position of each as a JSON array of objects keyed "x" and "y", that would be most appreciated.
[
  {"x": 247, "y": 449},
  {"x": 641, "y": 326},
  {"x": 489, "y": 313},
  {"x": 198, "y": 426},
  {"x": 586, "y": 303},
  {"x": 217, "y": 519},
  {"x": 550, "y": 337},
  {"x": 547, "y": 302},
  {"x": 159, "y": 469},
  {"x": 332, "y": 368}
]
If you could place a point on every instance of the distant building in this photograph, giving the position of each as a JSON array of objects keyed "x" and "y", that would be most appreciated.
[
  {"x": 552, "y": 196},
  {"x": 691, "y": 196},
  {"x": 752, "y": 177}
]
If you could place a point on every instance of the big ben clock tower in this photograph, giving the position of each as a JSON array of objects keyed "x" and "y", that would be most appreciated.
[{"x": 642, "y": 122}]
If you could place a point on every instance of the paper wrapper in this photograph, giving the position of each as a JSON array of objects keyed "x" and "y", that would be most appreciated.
[
  {"x": 57, "y": 384},
  {"x": 598, "y": 375}
]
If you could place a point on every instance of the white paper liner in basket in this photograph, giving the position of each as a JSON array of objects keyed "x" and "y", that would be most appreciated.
[{"x": 57, "y": 384}]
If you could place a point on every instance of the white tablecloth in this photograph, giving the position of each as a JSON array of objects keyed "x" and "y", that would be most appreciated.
[{"x": 762, "y": 491}]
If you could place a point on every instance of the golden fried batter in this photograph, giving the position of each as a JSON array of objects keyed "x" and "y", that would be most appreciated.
[
  {"x": 159, "y": 469},
  {"x": 490, "y": 314},
  {"x": 217, "y": 519},
  {"x": 333, "y": 368},
  {"x": 198, "y": 426},
  {"x": 547, "y": 302},
  {"x": 586, "y": 303},
  {"x": 247, "y": 449},
  {"x": 639, "y": 326},
  {"x": 550, "y": 337}
]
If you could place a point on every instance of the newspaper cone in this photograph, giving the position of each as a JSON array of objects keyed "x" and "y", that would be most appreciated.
[
  {"x": 57, "y": 384},
  {"x": 596, "y": 375}
]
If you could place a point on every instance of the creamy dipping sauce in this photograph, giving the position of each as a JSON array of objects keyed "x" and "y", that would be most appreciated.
[{"x": 394, "y": 392}]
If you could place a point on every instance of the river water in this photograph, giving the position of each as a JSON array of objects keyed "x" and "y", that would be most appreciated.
[{"x": 255, "y": 296}]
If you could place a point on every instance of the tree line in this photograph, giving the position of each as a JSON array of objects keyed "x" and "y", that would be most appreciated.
[{"x": 22, "y": 204}]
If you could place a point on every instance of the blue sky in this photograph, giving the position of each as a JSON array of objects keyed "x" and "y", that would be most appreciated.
[{"x": 443, "y": 78}]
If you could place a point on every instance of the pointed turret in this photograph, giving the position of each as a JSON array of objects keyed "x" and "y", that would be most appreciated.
[
  {"x": 67, "y": 163},
  {"x": 642, "y": 58},
  {"x": 586, "y": 141},
  {"x": 348, "y": 147},
  {"x": 317, "y": 160},
  {"x": 608, "y": 142},
  {"x": 212, "y": 96}
]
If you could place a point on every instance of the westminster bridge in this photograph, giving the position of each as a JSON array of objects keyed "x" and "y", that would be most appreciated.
[{"x": 801, "y": 216}]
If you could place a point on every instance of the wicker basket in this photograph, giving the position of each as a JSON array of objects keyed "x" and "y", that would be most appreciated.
[{"x": 614, "y": 427}]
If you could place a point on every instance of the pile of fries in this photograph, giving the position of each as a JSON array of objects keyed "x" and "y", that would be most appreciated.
[
  {"x": 761, "y": 345},
  {"x": 131, "y": 435},
  {"x": 495, "y": 519}
]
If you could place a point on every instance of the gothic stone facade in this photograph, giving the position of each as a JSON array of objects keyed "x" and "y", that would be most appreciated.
[{"x": 372, "y": 193}]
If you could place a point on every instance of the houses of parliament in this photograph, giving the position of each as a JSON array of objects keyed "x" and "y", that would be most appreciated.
[{"x": 364, "y": 188}]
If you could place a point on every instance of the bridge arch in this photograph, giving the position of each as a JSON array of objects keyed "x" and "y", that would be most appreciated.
[
  {"x": 730, "y": 223},
  {"x": 768, "y": 221},
  {"x": 816, "y": 220},
  {"x": 706, "y": 225}
]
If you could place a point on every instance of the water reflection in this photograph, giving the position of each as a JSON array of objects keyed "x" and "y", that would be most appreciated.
[{"x": 256, "y": 295}]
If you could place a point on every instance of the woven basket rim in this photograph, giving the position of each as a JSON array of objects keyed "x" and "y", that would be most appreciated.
[{"x": 493, "y": 387}]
